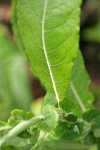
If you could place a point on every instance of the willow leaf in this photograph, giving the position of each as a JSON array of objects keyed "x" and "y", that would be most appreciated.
[
  {"x": 49, "y": 30},
  {"x": 79, "y": 86}
]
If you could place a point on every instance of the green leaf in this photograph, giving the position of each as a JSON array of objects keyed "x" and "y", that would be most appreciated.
[
  {"x": 93, "y": 117},
  {"x": 51, "y": 118},
  {"x": 17, "y": 116},
  {"x": 78, "y": 132},
  {"x": 49, "y": 99},
  {"x": 79, "y": 85},
  {"x": 69, "y": 106},
  {"x": 20, "y": 122},
  {"x": 66, "y": 105},
  {"x": 49, "y": 30},
  {"x": 68, "y": 132}
]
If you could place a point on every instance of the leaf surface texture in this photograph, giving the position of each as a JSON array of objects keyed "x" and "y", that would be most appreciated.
[{"x": 49, "y": 30}]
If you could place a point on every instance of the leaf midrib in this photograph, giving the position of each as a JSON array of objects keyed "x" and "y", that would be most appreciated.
[
  {"x": 45, "y": 52},
  {"x": 77, "y": 97}
]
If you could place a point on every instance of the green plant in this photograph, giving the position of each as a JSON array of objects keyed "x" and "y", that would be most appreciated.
[{"x": 65, "y": 118}]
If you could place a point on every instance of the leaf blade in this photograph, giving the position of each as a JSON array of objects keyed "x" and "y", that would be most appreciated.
[
  {"x": 45, "y": 52},
  {"x": 51, "y": 39},
  {"x": 79, "y": 85}
]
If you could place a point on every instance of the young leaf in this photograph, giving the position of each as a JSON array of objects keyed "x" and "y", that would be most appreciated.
[
  {"x": 17, "y": 116},
  {"x": 51, "y": 119},
  {"x": 49, "y": 30},
  {"x": 20, "y": 127},
  {"x": 68, "y": 105},
  {"x": 79, "y": 85}
]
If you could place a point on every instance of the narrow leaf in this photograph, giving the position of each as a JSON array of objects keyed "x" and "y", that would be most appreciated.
[
  {"x": 79, "y": 86},
  {"x": 49, "y": 30}
]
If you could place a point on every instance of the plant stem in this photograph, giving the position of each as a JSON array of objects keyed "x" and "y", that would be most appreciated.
[{"x": 20, "y": 127}]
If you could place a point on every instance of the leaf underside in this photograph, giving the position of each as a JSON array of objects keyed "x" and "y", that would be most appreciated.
[{"x": 49, "y": 30}]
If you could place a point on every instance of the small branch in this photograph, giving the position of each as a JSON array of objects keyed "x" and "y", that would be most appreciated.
[{"x": 19, "y": 128}]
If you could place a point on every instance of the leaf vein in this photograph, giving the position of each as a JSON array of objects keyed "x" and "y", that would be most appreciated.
[
  {"x": 63, "y": 24},
  {"x": 67, "y": 39},
  {"x": 64, "y": 59},
  {"x": 33, "y": 11},
  {"x": 77, "y": 97},
  {"x": 45, "y": 51}
]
